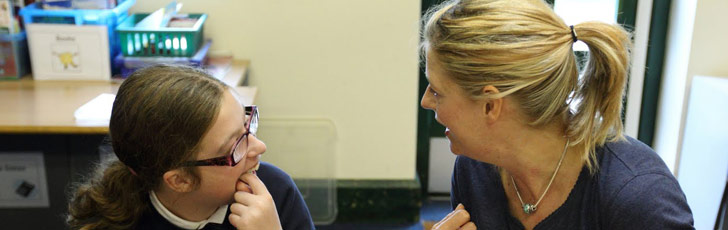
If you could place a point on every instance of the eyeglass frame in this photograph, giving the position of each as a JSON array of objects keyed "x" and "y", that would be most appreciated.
[{"x": 229, "y": 159}]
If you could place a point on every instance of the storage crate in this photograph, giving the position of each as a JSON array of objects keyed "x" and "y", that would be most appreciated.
[
  {"x": 165, "y": 41},
  {"x": 34, "y": 13},
  {"x": 14, "y": 62},
  {"x": 130, "y": 64}
]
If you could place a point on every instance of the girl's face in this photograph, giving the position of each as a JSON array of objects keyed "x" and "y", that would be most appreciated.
[
  {"x": 217, "y": 183},
  {"x": 461, "y": 116}
]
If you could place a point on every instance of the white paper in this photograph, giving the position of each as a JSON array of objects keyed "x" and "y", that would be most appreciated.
[
  {"x": 95, "y": 112},
  {"x": 23, "y": 180}
]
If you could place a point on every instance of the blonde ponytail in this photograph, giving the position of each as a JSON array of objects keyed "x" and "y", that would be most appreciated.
[{"x": 597, "y": 118}]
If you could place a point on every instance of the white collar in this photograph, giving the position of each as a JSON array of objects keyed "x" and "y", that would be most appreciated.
[{"x": 218, "y": 217}]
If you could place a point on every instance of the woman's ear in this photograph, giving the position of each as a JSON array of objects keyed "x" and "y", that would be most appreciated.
[
  {"x": 178, "y": 180},
  {"x": 492, "y": 107}
]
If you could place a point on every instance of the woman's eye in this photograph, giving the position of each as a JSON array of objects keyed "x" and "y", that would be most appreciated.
[{"x": 434, "y": 93}]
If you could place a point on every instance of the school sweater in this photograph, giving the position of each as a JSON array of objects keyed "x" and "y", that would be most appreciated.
[{"x": 633, "y": 189}]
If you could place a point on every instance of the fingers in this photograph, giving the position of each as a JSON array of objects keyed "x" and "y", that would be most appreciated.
[
  {"x": 439, "y": 225},
  {"x": 469, "y": 226},
  {"x": 236, "y": 215},
  {"x": 241, "y": 186},
  {"x": 460, "y": 217},
  {"x": 237, "y": 209},
  {"x": 244, "y": 197},
  {"x": 234, "y": 219},
  {"x": 454, "y": 220},
  {"x": 250, "y": 199},
  {"x": 460, "y": 206},
  {"x": 254, "y": 182}
]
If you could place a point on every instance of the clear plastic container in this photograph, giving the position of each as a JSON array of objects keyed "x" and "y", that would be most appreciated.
[{"x": 305, "y": 149}]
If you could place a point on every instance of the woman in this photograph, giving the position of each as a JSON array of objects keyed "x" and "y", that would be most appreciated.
[
  {"x": 538, "y": 146},
  {"x": 186, "y": 151}
]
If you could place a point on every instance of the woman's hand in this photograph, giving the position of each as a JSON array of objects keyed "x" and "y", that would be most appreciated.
[
  {"x": 457, "y": 219},
  {"x": 254, "y": 207}
]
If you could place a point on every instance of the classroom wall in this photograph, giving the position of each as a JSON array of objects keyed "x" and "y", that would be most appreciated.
[
  {"x": 695, "y": 46},
  {"x": 354, "y": 63}
]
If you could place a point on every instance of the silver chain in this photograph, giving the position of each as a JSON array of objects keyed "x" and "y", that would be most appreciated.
[{"x": 530, "y": 208}]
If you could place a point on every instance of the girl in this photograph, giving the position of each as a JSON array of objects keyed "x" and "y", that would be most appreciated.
[{"x": 188, "y": 158}]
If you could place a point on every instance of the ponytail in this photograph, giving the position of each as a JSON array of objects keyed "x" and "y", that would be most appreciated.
[
  {"x": 113, "y": 198},
  {"x": 597, "y": 118}
]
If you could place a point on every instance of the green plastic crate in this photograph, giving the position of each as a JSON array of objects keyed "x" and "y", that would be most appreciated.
[{"x": 169, "y": 42}]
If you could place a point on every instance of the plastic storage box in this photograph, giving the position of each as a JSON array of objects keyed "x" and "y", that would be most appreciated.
[
  {"x": 33, "y": 13},
  {"x": 130, "y": 64},
  {"x": 14, "y": 62},
  {"x": 305, "y": 148},
  {"x": 171, "y": 42}
]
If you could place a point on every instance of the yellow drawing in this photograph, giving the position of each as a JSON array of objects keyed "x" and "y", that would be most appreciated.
[{"x": 66, "y": 59}]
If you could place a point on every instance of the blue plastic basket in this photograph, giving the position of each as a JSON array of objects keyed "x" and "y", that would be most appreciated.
[{"x": 34, "y": 13}]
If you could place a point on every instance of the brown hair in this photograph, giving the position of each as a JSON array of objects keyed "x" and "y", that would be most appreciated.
[
  {"x": 525, "y": 50},
  {"x": 158, "y": 119}
]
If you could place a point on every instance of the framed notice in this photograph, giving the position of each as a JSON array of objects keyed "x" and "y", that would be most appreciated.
[
  {"x": 69, "y": 52},
  {"x": 23, "y": 180}
]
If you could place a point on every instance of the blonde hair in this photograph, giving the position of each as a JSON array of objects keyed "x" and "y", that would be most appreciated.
[{"x": 525, "y": 50}]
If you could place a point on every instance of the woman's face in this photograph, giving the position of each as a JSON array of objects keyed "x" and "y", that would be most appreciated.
[
  {"x": 217, "y": 183},
  {"x": 461, "y": 116}
]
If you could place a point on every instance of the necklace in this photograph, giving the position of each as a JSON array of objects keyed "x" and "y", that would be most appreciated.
[{"x": 530, "y": 208}]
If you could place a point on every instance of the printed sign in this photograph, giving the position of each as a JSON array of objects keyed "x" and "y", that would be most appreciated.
[
  {"x": 22, "y": 180},
  {"x": 69, "y": 52}
]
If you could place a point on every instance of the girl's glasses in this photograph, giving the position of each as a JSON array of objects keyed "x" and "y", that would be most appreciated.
[{"x": 240, "y": 148}]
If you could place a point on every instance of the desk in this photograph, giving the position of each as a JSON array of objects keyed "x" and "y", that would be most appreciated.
[
  {"x": 37, "y": 116},
  {"x": 28, "y": 106}
]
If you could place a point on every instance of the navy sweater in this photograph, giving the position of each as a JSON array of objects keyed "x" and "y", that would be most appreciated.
[
  {"x": 292, "y": 210},
  {"x": 633, "y": 189}
]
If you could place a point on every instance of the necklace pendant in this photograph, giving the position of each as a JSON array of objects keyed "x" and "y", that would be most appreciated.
[{"x": 529, "y": 208}]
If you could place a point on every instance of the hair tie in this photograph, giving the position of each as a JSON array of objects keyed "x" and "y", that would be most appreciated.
[
  {"x": 132, "y": 171},
  {"x": 573, "y": 33}
]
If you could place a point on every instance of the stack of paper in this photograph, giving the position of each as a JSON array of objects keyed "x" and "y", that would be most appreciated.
[{"x": 95, "y": 112}]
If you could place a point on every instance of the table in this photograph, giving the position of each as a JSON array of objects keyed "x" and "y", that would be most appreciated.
[{"x": 28, "y": 106}]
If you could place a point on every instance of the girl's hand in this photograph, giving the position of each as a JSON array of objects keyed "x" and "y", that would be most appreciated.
[
  {"x": 457, "y": 219},
  {"x": 254, "y": 207}
]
